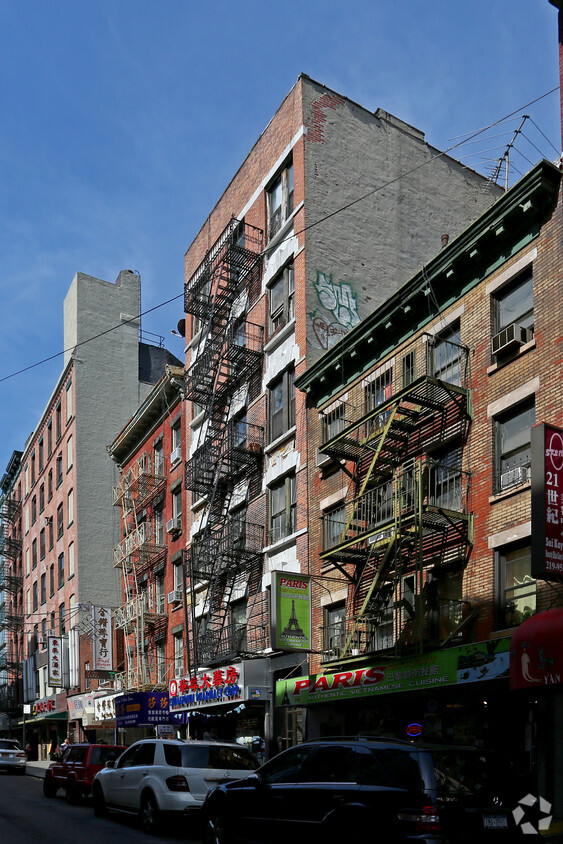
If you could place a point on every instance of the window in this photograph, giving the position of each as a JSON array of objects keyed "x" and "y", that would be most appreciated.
[
  {"x": 51, "y": 531},
  {"x": 159, "y": 592},
  {"x": 70, "y": 501},
  {"x": 69, "y": 454},
  {"x": 41, "y": 498},
  {"x": 71, "y": 559},
  {"x": 282, "y": 405},
  {"x": 409, "y": 372},
  {"x": 514, "y": 303},
  {"x": 34, "y": 603},
  {"x": 334, "y": 523},
  {"x": 58, "y": 422},
  {"x": 446, "y": 480},
  {"x": 160, "y": 662},
  {"x": 178, "y": 654},
  {"x": 334, "y": 630},
  {"x": 376, "y": 393},
  {"x": 60, "y": 521},
  {"x": 68, "y": 401},
  {"x": 62, "y": 620},
  {"x": 34, "y": 554},
  {"x": 282, "y": 301},
  {"x": 237, "y": 619},
  {"x": 51, "y": 581},
  {"x": 280, "y": 200},
  {"x": 43, "y": 588},
  {"x": 42, "y": 544},
  {"x": 49, "y": 439},
  {"x": 176, "y": 453},
  {"x": 59, "y": 469},
  {"x": 177, "y": 503},
  {"x": 446, "y": 356},
  {"x": 32, "y": 468},
  {"x": 159, "y": 526},
  {"x": 33, "y": 510},
  {"x": 158, "y": 457},
  {"x": 178, "y": 577},
  {"x": 50, "y": 485},
  {"x": 517, "y": 587},
  {"x": 513, "y": 455},
  {"x": 41, "y": 455},
  {"x": 282, "y": 508},
  {"x": 86, "y": 677},
  {"x": 61, "y": 569},
  {"x": 333, "y": 422}
]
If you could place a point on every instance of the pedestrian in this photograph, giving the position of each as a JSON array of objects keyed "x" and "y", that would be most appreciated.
[{"x": 64, "y": 744}]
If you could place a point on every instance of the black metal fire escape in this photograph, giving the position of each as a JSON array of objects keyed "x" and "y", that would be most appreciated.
[
  {"x": 228, "y": 449},
  {"x": 405, "y": 510}
]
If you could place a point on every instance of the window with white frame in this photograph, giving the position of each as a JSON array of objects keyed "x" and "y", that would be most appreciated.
[
  {"x": 280, "y": 200},
  {"x": 176, "y": 453},
  {"x": 160, "y": 661},
  {"x": 516, "y": 587},
  {"x": 69, "y": 410},
  {"x": 514, "y": 303},
  {"x": 334, "y": 422},
  {"x": 281, "y": 299},
  {"x": 178, "y": 654},
  {"x": 159, "y": 526},
  {"x": 70, "y": 504},
  {"x": 71, "y": 562},
  {"x": 158, "y": 457},
  {"x": 513, "y": 445},
  {"x": 446, "y": 355},
  {"x": 283, "y": 504},
  {"x": 334, "y": 630},
  {"x": 281, "y": 405}
]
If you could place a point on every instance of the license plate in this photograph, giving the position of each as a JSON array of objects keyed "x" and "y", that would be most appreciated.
[
  {"x": 4, "y": 754},
  {"x": 495, "y": 822}
]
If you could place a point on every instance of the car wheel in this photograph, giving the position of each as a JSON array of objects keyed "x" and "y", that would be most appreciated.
[
  {"x": 99, "y": 802},
  {"x": 214, "y": 832},
  {"x": 73, "y": 794},
  {"x": 150, "y": 814},
  {"x": 49, "y": 787}
]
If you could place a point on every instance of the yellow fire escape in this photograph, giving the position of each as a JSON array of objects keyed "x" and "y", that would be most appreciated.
[
  {"x": 140, "y": 549},
  {"x": 406, "y": 512}
]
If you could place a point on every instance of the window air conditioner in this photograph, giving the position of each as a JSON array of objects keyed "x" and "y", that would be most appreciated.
[
  {"x": 515, "y": 476},
  {"x": 510, "y": 338},
  {"x": 175, "y": 597},
  {"x": 176, "y": 454},
  {"x": 322, "y": 459},
  {"x": 174, "y": 525},
  {"x": 42, "y": 640}
]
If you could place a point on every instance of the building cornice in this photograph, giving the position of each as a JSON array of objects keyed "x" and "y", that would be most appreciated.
[{"x": 506, "y": 227}]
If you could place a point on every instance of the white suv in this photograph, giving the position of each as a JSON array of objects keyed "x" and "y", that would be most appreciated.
[{"x": 155, "y": 777}]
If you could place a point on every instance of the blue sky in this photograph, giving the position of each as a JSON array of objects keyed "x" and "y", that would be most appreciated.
[{"x": 123, "y": 121}]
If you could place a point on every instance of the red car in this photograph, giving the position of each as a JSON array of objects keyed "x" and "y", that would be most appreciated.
[{"x": 76, "y": 769}]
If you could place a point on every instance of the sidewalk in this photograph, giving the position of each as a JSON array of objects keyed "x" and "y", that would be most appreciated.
[{"x": 37, "y": 769}]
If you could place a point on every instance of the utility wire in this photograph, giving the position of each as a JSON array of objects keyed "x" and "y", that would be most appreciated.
[{"x": 468, "y": 138}]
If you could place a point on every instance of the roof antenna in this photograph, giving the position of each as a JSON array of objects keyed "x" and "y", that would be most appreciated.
[{"x": 505, "y": 157}]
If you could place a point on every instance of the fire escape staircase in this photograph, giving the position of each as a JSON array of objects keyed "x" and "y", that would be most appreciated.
[{"x": 230, "y": 351}]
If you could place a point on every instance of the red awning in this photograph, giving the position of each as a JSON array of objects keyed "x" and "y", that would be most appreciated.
[{"x": 536, "y": 651}]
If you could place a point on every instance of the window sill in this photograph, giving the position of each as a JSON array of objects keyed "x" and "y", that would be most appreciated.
[
  {"x": 285, "y": 542},
  {"x": 500, "y": 496},
  {"x": 278, "y": 338},
  {"x": 283, "y": 438},
  {"x": 527, "y": 347}
]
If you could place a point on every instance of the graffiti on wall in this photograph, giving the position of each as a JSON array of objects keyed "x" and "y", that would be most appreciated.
[{"x": 337, "y": 314}]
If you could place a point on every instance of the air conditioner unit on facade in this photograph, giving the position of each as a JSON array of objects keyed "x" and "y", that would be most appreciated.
[
  {"x": 175, "y": 596},
  {"x": 42, "y": 640},
  {"x": 322, "y": 459},
  {"x": 515, "y": 476},
  {"x": 510, "y": 338},
  {"x": 174, "y": 525},
  {"x": 176, "y": 454}
]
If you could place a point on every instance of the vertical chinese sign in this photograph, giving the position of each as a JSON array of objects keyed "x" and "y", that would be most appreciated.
[
  {"x": 102, "y": 639},
  {"x": 55, "y": 662},
  {"x": 547, "y": 502}
]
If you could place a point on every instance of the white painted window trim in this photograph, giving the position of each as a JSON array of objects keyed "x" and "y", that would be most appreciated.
[
  {"x": 513, "y": 398},
  {"x": 514, "y": 534}
]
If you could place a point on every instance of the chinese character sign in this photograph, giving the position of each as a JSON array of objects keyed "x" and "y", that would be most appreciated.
[
  {"x": 219, "y": 685},
  {"x": 55, "y": 662},
  {"x": 102, "y": 639},
  {"x": 547, "y": 502}
]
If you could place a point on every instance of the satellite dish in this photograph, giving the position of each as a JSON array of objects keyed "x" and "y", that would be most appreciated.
[{"x": 182, "y": 327}]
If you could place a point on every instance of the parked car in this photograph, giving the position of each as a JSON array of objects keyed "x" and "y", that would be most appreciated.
[
  {"x": 331, "y": 790},
  {"x": 159, "y": 777},
  {"x": 12, "y": 756},
  {"x": 76, "y": 768}
]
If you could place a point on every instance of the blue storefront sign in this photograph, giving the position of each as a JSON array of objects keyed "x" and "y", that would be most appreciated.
[{"x": 142, "y": 709}]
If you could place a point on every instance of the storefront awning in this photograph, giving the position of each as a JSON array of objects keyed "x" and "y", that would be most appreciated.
[
  {"x": 51, "y": 716},
  {"x": 536, "y": 651}
]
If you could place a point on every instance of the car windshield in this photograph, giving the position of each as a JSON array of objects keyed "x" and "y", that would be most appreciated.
[
  {"x": 212, "y": 756},
  {"x": 100, "y": 755}
]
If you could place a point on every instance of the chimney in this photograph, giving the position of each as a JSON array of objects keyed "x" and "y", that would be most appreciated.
[{"x": 445, "y": 240}]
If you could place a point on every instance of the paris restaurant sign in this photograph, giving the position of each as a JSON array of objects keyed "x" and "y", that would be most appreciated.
[{"x": 290, "y": 612}]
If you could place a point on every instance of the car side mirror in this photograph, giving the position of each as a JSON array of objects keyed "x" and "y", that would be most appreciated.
[
  {"x": 110, "y": 763},
  {"x": 254, "y": 780}
]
